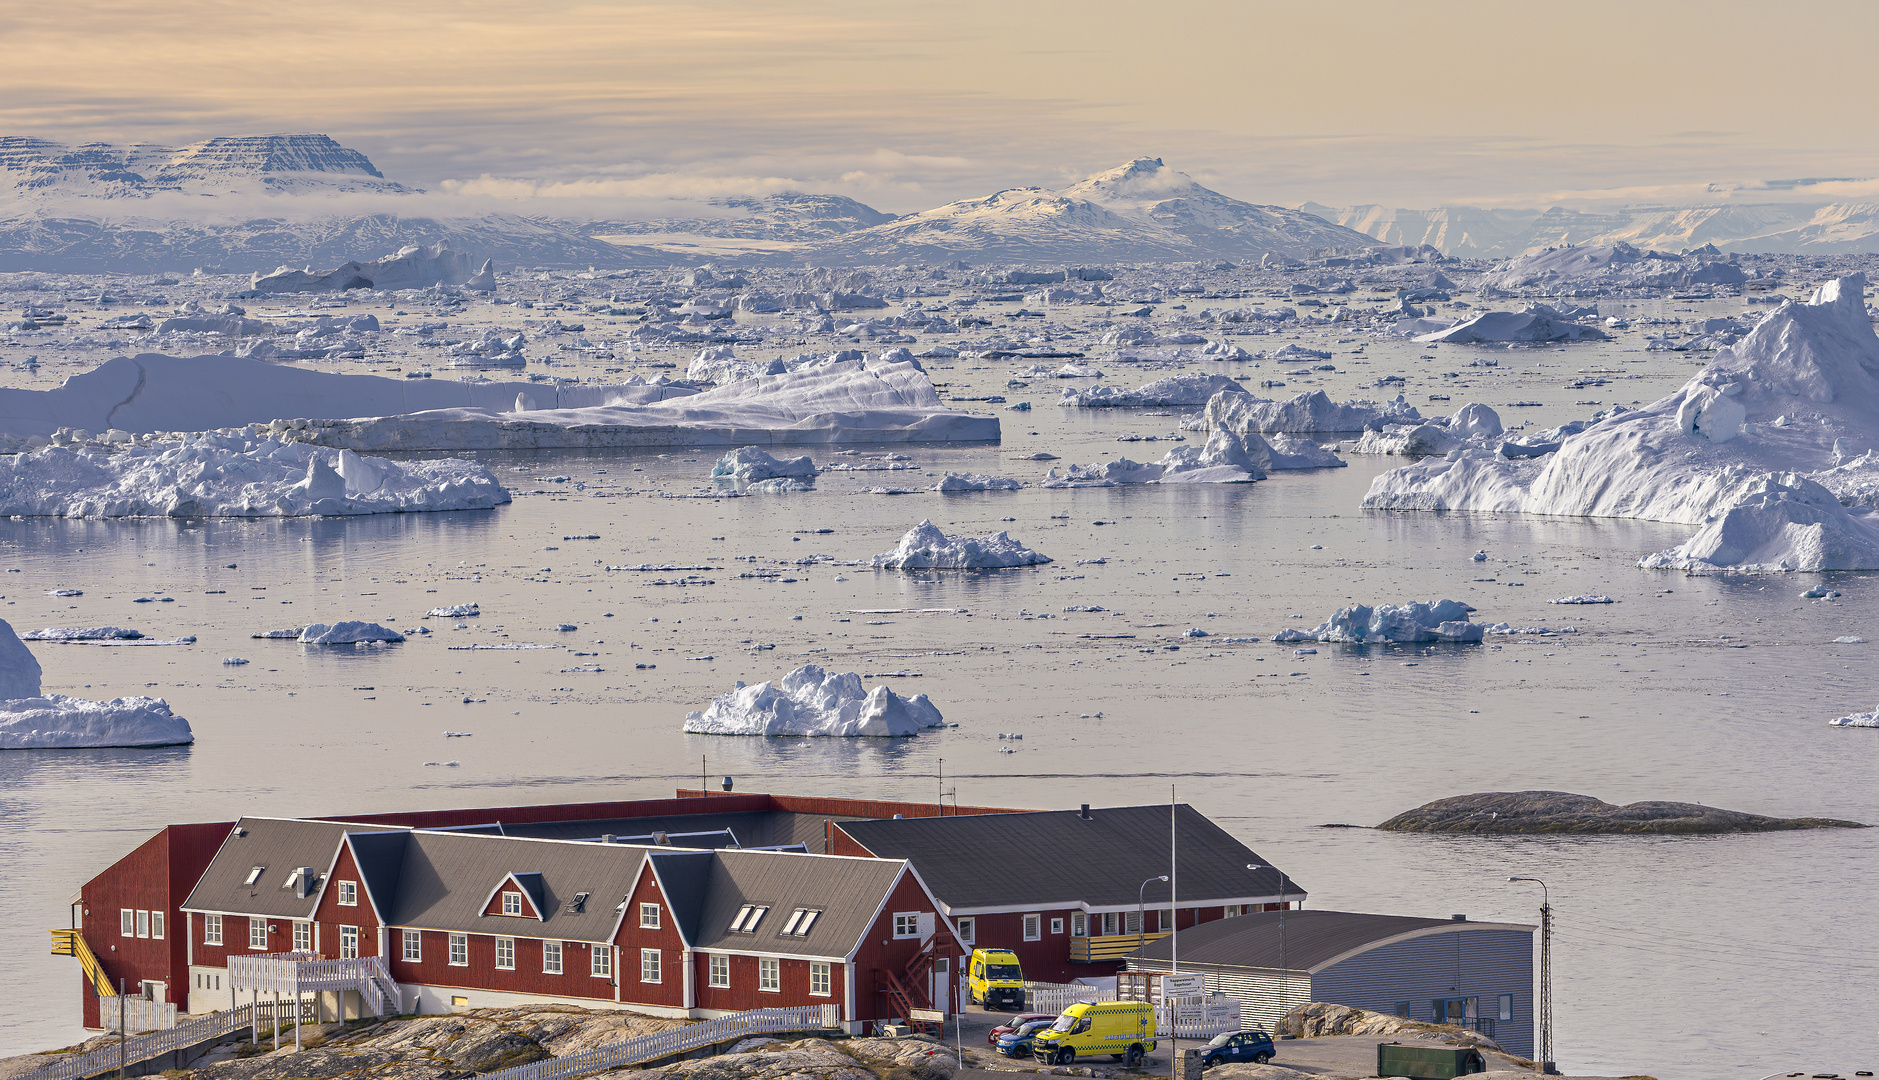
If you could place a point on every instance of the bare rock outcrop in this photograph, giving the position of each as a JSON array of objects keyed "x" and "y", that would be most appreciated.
[{"x": 1526, "y": 813}]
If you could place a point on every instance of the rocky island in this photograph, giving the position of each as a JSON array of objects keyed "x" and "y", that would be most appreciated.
[{"x": 1534, "y": 813}]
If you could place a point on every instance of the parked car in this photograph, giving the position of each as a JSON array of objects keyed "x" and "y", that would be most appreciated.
[
  {"x": 1019, "y": 1043},
  {"x": 1253, "y": 1046},
  {"x": 1015, "y": 1023},
  {"x": 1125, "y": 1030}
]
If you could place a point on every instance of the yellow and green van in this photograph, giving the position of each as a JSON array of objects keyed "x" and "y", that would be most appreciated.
[
  {"x": 995, "y": 980},
  {"x": 1125, "y": 1030}
]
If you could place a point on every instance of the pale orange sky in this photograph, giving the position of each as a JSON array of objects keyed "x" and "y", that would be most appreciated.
[{"x": 907, "y": 105}]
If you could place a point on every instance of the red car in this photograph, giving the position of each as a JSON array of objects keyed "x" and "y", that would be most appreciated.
[{"x": 1015, "y": 1023}]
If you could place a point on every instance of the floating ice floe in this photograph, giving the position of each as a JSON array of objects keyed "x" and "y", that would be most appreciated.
[
  {"x": 953, "y": 481},
  {"x": 30, "y": 720},
  {"x": 1583, "y": 600},
  {"x": 1225, "y": 458},
  {"x": 90, "y": 633},
  {"x": 1865, "y": 720},
  {"x": 925, "y": 547},
  {"x": 1536, "y": 324},
  {"x": 1445, "y": 620},
  {"x": 810, "y": 701},
  {"x": 1769, "y": 450},
  {"x": 1309, "y": 413},
  {"x": 752, "y": 463},
  {"x": 352, "y": 632},
  {"x": 1184, "y": 389},
  {"x": 453, "y": 611},
  {"x": 230, "y": 476}
]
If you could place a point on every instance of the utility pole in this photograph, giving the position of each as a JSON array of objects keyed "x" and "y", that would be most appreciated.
[
  {"x": 1545, "y": 1011},
  {"x": 120, "y": 1029},
  {"x": 1174, "y": 938}
]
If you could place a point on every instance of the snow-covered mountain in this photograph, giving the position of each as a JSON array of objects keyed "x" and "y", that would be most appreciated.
[
  {"x": 790, "y": 217},
  {"x": 38, "y": 171},
  {"x": 1474, "y": 232},
  {"x": 1140, "y": 212}
]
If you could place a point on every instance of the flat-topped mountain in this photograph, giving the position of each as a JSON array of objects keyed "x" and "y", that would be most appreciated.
[{"x": 42, "y": 170}]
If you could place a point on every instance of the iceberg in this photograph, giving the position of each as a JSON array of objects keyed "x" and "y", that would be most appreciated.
[
  {"x": 413, "y": 267},
  {"x": 30, "y": 720},
  {"x": 1304, "y": 414},
  {"x": 1445, "y": 620},
  {"x": 753, "y": 463},
  {"x": 925, "y": 547},
  {"x": 1865, "y": 720},
  {"x": 1514, "y": 326},
  {"x": 352, "y": 632},
  {"x": 953, "y": 481},
  {"x": 810, "y": 701},
  {"x": 1183, "y": 389},
  {"x": 1225, "y": 458},
  {"x": 92, "y": 633},
  {"x": 229, "y": 476},
  {"x": 1474, "y": 425},
  {"x": 1619, "y": 267}
]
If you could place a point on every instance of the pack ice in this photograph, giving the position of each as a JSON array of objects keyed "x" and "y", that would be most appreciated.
[
  {"x": 214, "y": 475},
  {"x": 1444, "y": 620},
  {"x": 413, "y": 267},
  {"x": 925, "y": 547},
  {"x": 1308, "y": 413},
  {"x": 810, "y": 701},
  {"x": 1185, "y": 389},
  {"x": 1769, "y": 451},
  {"x": 32, "y": 721}
]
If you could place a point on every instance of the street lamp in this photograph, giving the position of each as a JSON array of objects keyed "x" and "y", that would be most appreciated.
[
  {"x": 1141, "y": 917},
  {"x": 1546, "y": 976},
  {"x": 1283, "y": 905}
]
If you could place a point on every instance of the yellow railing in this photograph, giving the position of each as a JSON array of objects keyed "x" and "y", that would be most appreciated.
[
  {"x": 72, "y": 943},
  {"x": 1091, "y": 950}
]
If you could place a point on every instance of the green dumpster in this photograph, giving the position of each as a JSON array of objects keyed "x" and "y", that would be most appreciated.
[{"x": 1428, "y": 1062}]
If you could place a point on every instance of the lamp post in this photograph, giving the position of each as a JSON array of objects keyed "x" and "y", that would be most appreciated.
[
  {"x": 1546, "y": 977},
  {"x": 1283, "y": 905},
  {"x": 1141, "y": 917}
]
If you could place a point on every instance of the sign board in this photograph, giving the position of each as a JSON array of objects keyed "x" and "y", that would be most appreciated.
[
  {"x": 1173, "y": 986},
  {"x": 934, "y": 1016}
]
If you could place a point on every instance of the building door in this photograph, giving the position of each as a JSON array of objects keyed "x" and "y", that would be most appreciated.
[
  {"x": 154, "y": 990},
  {"x": 929, "y": 925},
  {"x": 941, "y": 984}
]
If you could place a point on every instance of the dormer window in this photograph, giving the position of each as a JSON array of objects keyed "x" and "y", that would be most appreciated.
[
  {"x": 799, "y": 922},
  {"x": 747, "y": 918},
  {"x": 512, "y": 903}
]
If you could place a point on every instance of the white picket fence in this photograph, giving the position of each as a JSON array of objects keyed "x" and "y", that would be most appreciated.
[
  {"x": 1193, "y": 1017},
  {"x": 677, "y": 1041},
  {"x": 144, "y": 1047}
]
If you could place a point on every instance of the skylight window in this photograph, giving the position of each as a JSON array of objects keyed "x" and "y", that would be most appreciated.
[
  {"x": 254, "y": 875},
  {"x": 799, "y": 922},
  {"x": 748, "y": 917}
]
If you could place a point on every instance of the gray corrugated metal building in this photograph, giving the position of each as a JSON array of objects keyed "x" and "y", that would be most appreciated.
[{"x": 1442, "y": 970}]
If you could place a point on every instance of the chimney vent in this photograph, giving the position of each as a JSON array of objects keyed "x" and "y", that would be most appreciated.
[
  {"x": 1458, "y": 918},
  {"x": 607, "y": 838},
  {"x": 727, "y": 783},
  {"x": 1085, "y": 815}
]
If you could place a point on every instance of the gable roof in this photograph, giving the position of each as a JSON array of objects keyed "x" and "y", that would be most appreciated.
[
  {"x": 958, "y": 858},
  {"x": 848, "y": 891},
  {"x": 379, "y": 856},
  {"x": 1310, "y": 940},
  {"x": 683, "y": 876},
  {"x": 278, "y": 846},
  {"x": 440, "y": 884},
  {"x": 528, "y": 883}
]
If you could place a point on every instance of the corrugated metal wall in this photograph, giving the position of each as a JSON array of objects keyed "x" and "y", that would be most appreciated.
[
  {"x": 1471, "y": 963},
  {"x": 1263, "y": 998}
]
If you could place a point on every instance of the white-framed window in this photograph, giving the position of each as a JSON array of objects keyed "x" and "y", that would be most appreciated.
[
  {"x": 257, "y": 933},
  {"x": 413, "y": 946},
  {"x": 968, "y": 928},
  {"x": 1056, "y": 926},
  {"x": 649, "y": 966},
  {"x": 906, "y": 924},
  {"x": 1507, "y": 1008},
  {"x": 348, "y": 943},
  {"x": 818, "y": 979},
  {"x": 649, "y": 918},
  {"x": 156, "y": 924},
  {"x": 601, "y": 966},
  {"x": 1164, "y": 919},
  {"x": 1033, "y": 927},
  {"x": 127, "y": 922},
  {"x": 719, "y": 969},
  {"x": 1229, "y": 911},
  {"x": 348, "y": 894},
  {"x": 1079, "y": 924},
  {"x": 769, "y": 974},
  {"x": 1132, "y": 922},
  {"x": 143, "y": 924},
  {"x": 512, "y": 903},
  {"x": 551, "y": 958},
  {"x": 1110, "y": 924},
  {"x": 303, "y": 937},
  {"x": 505, "y": 954},
  {"x": 211, "y": 929},
  {"x": 800, "y": 922},
  {"x": 747, "y": 918},
  {"x": 459, "y": 950}
]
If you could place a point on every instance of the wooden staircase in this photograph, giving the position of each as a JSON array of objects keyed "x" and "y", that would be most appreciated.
[{"x": 906, "y": 989}]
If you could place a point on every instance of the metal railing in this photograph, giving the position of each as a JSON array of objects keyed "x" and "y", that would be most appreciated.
[
  {"x": 677, "y": 1041},
  {"x": 144, "y": 1047},
  {"x": 304, "y": 973}
]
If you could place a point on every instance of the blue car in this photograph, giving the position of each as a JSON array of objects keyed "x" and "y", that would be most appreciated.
[
  {"x": 1253, "y": 1046},
  {"x": 1018, "y": 1043}
]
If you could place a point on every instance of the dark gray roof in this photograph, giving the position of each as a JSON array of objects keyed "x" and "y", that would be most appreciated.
[
  {"x": 279, "y": 846},
  {"x": 446, "y": 879},
  {"x": 684, "y": 876},
  {"x": 1310, "y": 939},
  {"x": 848, "y": 891},
  {"x": 974, "y": 862},
  {"x": 765, "y": 828},
  {"x": 380, "y": 858}
]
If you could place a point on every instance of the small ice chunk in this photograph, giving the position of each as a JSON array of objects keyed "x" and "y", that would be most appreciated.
[
  {"x": 1583, "y": 600},
  {"x": 233, "y": 661},
  {"x": 453, "y": 611}
]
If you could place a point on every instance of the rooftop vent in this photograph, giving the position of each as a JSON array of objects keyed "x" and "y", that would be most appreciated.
[
  {"x": 1458, "y": 918},
  {"x": 607, "y": 838},
  {"x": 1085, "y": 814},
  {"x": 727, "y": 783},
  {"x": 660, "y": 839},
  {"x": 576, "y": 903}
]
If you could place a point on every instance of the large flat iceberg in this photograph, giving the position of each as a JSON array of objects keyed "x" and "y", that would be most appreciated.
[
  {"x": 30, "y": 720},
  {"x": 810, "y": 701},
  {"x": 1359, "y": 624},
  {"x": 1771, "y": 451},
  {"x": 1184, "y": 389}
]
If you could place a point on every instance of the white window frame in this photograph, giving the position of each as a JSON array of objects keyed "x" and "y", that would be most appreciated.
[
  {"x": 1079, "y": 924},
  {"x": 600, "y": 962},
  {"x": 649, "y": 916},
  {"x": 551, "y": 958},
  {"x": 1056, "y": 925},
  {"x": 348, "y": 894},
  {"x": 650, "y": 968},
  {"x": 303, "y": 937},
  {"x": 348, "y": 943},
  {"x": 505, "y": 954},
  {"x": 906, "y": 925},
  {"x": 747, "y": 918},
  {"x": 143, "y": 923},
  {"x": 968, "y": 927},
  {"x": 1132, "y": 922},
  {"x": 819, "y": 978},
  {"x": 459, "y": 950},
  {"x": 769, "y": 975},
  {"x": 718, "y": 969},
  {"x": 211, "y": 929},
  {"x": 411, "y": 949},
  {"x": 156, "y": 925},
  {"x": 257, "y": 933},
  {"x": 127, "y": 922},
  {"x": 512, "y": 903},
  {"x": 1034, "y": 926},
  {"x": 1164, "y": 919}
]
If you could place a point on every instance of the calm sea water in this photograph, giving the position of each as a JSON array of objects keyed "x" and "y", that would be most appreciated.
[{"x": 1682, "y": 958}]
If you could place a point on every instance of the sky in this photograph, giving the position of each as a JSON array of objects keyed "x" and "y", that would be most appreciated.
[{"x": 910, "y": 105}]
